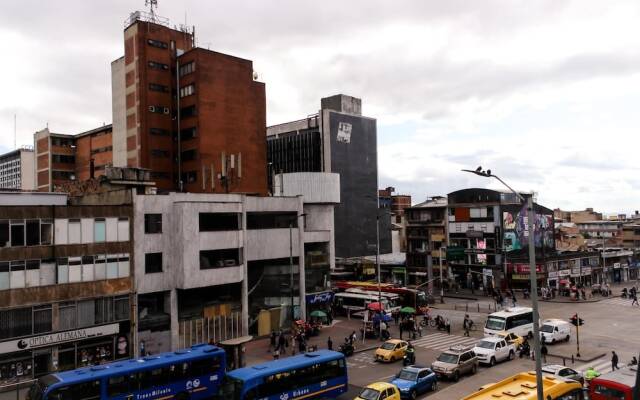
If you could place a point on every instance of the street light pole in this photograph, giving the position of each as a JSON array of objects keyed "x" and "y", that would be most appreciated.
[
  {"x": 441, "y": 284},
  {"x": 532, "y": 274},
  {"x": 378, "y": 268},
  {"x": 291, "y": 268}
]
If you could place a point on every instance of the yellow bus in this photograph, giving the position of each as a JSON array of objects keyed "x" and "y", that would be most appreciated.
[{"x": 522, "y": 386}]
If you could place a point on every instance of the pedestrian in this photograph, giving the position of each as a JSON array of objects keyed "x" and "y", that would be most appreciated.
[
  {"x": 293, "y": 345},
  {"x": 544, "y": 351},
  {"x": 584, "y": 294},
  {"x": 329, "y": 343},
  {"x": 302, "y": 346},
  {"x": 465, "y": 325},
  {"x": 634, "y": 297},
  {"x": 353, "y": 337},
  {"x": 401, "y": 329},
  {"x": 282, "y": 340},
  {"x": 272, "y": 341},
  {"x": 330, "y": 316},
  {"x": 447, "y": 324},
  {"x": 276, "y": 354},
  {"x": 396, "y": 317},
  {"x": 614, "y": 361}
]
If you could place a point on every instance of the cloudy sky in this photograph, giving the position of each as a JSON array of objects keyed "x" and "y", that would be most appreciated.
[{"x": 545, "y": 93}]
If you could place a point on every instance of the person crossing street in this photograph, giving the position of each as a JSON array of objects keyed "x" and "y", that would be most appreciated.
[{"x": 614, "y": 361}]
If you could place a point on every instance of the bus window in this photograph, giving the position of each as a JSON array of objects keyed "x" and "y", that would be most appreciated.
[
  {"x": 118, "y": 385},
  {"x": 495, "y": 324},
  {"x": 577, "y": 395},
  {"x": 205, "y": 366},
  {"x": 153, "y": 377},
  {"x": 179, "y": 371},
  {"x": 86, "y": 390},
  {"x": 609, "y": 392}
]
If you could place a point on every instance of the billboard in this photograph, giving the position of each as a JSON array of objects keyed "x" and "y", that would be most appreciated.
[{"x": 516, "y": 233}]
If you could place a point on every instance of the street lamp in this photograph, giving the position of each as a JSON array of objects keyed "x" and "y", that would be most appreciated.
[
  {"x": 291, "y": 263},
  {"x": 532, "y": 274}
]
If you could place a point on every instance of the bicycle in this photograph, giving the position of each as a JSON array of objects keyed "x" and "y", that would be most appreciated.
[{"x": 428, "y": 321}]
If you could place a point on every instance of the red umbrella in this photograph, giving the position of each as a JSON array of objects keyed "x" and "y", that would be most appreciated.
[{"x": 376, "y": 306}]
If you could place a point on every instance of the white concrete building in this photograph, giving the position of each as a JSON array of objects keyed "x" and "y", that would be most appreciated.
[
  {"x": 206, "y": 265},
  {"x": 17, "y": 169}
]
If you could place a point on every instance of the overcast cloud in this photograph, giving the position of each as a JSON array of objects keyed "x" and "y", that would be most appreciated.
[{"x": 544, "y": 93}]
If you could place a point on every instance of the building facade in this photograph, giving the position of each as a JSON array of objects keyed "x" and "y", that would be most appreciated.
[
  {"x": 17, "y": 169},
  {"x": 65, "y": 284},
  {"x": 396, "y": 204},
  {"x": 339, "y": 139}
]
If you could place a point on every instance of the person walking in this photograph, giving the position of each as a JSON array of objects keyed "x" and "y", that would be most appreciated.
[
  {"x": 634, "y": 299},
  {"x": 276, "y": 354},
  {"x": 513, "y": 296},
  {"x": 544, "y": 351},
  {"x": 401, "y": 329},
  {"x": 465, "y": 325},
  {"x": 282, "y": 340},
  {"x": 614, "y": 361},
  {"x": 272, "y": 341},
  {"x": 329, "y": 343}
]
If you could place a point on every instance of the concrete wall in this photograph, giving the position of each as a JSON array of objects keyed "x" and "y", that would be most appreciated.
[
  {"x": 28, "y": 172},
  {"x": 316, "y": 187},
  {"x": 118, "y": 110}
]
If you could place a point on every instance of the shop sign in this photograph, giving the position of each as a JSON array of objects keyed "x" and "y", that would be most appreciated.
[
  {"x": 475, "y": 234},
  {"x": 58, "y": 338},
  {"x": 520, "y": 277},
  {"x": 322, "y": 297},
  {"x": 586, "y": 271},
  {"x": 524, "y": 268},
  {"x": 616, "y": 265},
  {"x": 575, "y": 271},
  {"x": 553, "y": 274},
  {"x": 564, "y": 272}
]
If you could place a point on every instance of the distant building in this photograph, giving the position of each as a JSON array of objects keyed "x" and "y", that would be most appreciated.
[
  {"x": 339, "y": 139},
  {"x": 396, "y": 204},
  {"x": 16, "y": 169},
  {"x": 577, "y": 216}
]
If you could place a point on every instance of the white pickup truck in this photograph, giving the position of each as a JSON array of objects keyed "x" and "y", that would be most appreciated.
[{"x": 492, "y": 349}]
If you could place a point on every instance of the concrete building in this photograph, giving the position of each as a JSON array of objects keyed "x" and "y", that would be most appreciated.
[
  {"x": 65, "y": 284},
  {"x": 218, "y": 265},
  {"x": 598, "y": 230},
  {"x": 194, "y": 117},
  {"x": 577, "y": 216},
  {"x": 338, "y": 139},
  {"x": 489, "y": 230},
  {"x": 17, "y": 169},
  {"x": 426, "y": 235},
  {"x": 396, "y": 204}
]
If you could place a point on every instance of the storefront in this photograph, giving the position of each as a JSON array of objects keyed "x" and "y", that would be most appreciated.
[
  {"x": 31, "y": 357},
  {"x": 520, "y": 278},
  {"x": 319, "y": 301}
]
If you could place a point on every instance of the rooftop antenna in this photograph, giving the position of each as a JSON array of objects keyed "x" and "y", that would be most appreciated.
[
  {"x": 15, "y": 130},
  {"x": 152, "y": 4}
]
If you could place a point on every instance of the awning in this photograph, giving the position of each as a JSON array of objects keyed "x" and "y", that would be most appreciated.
[{"x": 236, "y": 341}]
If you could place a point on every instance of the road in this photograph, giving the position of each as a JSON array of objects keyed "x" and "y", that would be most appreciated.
[{"x": 610, "y": 324}]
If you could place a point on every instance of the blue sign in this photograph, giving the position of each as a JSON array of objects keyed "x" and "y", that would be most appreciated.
[{"x": 322, "y": 297}]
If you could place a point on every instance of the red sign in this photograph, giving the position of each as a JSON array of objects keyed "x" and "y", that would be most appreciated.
[{"x": 523, "y": 268}]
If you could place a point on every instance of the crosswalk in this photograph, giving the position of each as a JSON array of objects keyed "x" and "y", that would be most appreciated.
[
  {"x": 443, "y": 341},
  {"x": 601, "y": 365},
  {"x": 618, "y": 301},
  {"x": 361, "y": 360}
]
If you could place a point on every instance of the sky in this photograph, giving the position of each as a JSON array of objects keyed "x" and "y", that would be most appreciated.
[{"x": 543, "y": 93}]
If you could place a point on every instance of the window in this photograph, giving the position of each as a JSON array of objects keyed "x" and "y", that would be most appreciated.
[
  {"x": 608, "y": 392},
  {"x": 118, "y": 385},
  {"x": 101, "y": 150},
  {"x": 211, "y": 222},
  {"x": 159, "y": 175},
  {"x": 187, "y": 90},
  {"x": 152, "y": 263},
  {"x": 154, "y": 377},
  {"x": 64, "y": 159},
  {"x": 268, "y": 220},
  {"x": 74, "y": 231},
  {"x": 153, "y": 223},
  {"x": 190, "y": 176},
  {"x": 62, "y": 267},
  {"x": 99, "y": 230},
  {"x": 86, "y": 391},
  {"x": 17, "y": 233},
  {"x": 157, "y": 65},
  {"x": 157, "y": 43},
  {"x": 33, "y": 232},
  {"x": 189, "y": 111},
  {"x": 16, "y": 322},
  {"x": 67, "y": 316},
  {"x": 158, "y": 88},
  {"x": 123, "y": 229},
  {"x": 160, "y": 153},
  {"x": 4, "y": 233},
  {"x": 46, "y": 232},
  {"x": 187, "y": 68},
  {"x": 63, "y": 175},
  {"x": 158, "y": 109},
  {"x": 189, "y": 155},
  {"x": 223, "y": 258},
  {"x": 205, "y": 366},
  {"x": 159, "y": 132},
  {"x": 121, "y": 306},
  {"x": 187, "y": 133},
  {"x": 42, "y": 319}
]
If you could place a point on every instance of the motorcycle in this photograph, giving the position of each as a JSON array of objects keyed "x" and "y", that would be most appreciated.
[
  {"x": 524, "y": 350},
  {"x": 409, "y": 358},
  {"x": 346, "y": 349}
]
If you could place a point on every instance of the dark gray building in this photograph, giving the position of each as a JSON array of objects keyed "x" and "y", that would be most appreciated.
[{"x": 337, "y": 139}]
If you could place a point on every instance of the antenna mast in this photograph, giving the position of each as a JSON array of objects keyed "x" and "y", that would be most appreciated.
[
  {"x": 152, "y": 4},
  {"x": 15, "y": 130}
]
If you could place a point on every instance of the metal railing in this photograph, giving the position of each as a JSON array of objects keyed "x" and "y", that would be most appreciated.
[
  {"x": 202, "y": 330},
  {"x": 15, "y": 391}
]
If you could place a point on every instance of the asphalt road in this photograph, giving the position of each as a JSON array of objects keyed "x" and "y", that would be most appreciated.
[{"x": 611, "y": 324}]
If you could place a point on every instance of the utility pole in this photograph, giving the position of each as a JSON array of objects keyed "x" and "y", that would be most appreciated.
[
  {"x": 534, "y": 296},
  {"x": 577, "y": 335},
  {"x": 441, "y": 282},
  {"x": 291, "y": 269}
]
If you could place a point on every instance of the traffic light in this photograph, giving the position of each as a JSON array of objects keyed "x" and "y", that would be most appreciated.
[{"x": 576, "y": 321}]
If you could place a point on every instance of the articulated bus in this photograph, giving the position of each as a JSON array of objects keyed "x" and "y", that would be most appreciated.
[
  {"x": 407, "y": 296},
  {"x": 194, "y": 373},
  {"x": 314, "y": 375},
  {"x": 523, "y": 387}
]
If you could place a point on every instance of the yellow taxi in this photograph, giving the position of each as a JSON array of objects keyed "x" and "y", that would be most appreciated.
[
  {"x": 379, "y": 391},
  {"x": 511, "y": 337},
  {"x": 391, "y": 350}
]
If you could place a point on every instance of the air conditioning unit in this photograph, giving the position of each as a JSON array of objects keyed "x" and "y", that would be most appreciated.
[
  {"x": 166, "y": 110},
  {"x": 152, "y": 109}
]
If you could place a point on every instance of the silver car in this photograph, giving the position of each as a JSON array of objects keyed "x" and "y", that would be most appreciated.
[{"x": 563, "y": 372}]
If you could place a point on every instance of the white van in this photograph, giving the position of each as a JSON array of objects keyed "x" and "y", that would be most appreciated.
[
  {"x": 555, "y": 330},
  {"x": 518, "y": 320}
]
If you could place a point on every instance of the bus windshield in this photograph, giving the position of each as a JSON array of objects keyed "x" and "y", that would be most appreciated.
[
  {"x": 495, "y": 323},
  {"x": 36, "y": 391},
  {"x": 232, "y": 388}
]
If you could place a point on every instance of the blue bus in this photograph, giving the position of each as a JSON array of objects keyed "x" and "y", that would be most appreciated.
[
  {"x": 313, "y": 375},
  {"x": 194, "y": 373}
]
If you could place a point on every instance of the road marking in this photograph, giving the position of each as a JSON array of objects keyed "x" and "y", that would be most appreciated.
[
  {"x": 601, "y": 365},
  {"x": 442, "y": 341},
  {"x": 618, "y": 301}
]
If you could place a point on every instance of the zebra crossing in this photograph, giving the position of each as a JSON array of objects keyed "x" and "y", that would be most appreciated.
[
  {"x": 601, "y": 365},
  {"x": 361, "y": 360},
  {"x": 617, "y": 301},
  {"x": 443, "y": 341}
]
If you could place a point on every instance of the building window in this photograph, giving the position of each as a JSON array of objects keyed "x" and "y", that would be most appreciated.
[
  {"x": 159, "y": 132},
  {"x": 158, "y": 88},
  {"x": 74, "y": 235},
  {"x": 187, "y": 68},
  {"x": 219, "y": 258},
  {"x": 212, "y": 222},
  {"x": 101, "y": 150},
  {"x": 187, "y": 112},
  {"x": 46, "y": 232},
  {"x": 99, "y": 230},
  {"x": 157, "y": 43},
  {"x": 62, "y": 175},
  {"x": 188, "y": 133},
  {"x": 159, "y": 109},
  {"x": 187, "y": 90},
  {"x": 152, "y": 263},
  {"x": 62, "y": 267},
  {"x": 59, "y": 158},
  {"x": 270, "y": 220},
  {"x": 4, "y": 233},
  {"x": 153, "y": 223},
  {"x": 190, "y": 176},
  {"x": 189, "y": 155},
  {"x": 33, "y": 232},
  {"x": 17, "y": 233},
  {"x": 157, "y": 65},
  {"x": 160, "y": 153},
  {"x": 159, "y": 175},
  {"x": 42, "y": 319}
]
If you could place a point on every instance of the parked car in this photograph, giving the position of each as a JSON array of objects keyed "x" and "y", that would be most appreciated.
[
  {"x": 379, "y": 391},
  {"x": 491, "y": 350},
  {"x": 391, "y": 350},
  {"x": 555, "y": 330},
  {"x": 456, "y": 361},
  {"x": 563, "y": 372},
  {"x": 414, "y": 380}
]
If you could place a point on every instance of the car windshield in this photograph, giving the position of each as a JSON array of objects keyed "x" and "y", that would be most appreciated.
[
  {"x": 407, "y": 375},
  {"x": 495, "y": 323},
  {"x": 547, "y": 328},
  {"x": 448, "y": 358},
  {"x": 369, "y": 394},
  {"x": 485, "y": 344},
  {"x": 388, "y": 346}
]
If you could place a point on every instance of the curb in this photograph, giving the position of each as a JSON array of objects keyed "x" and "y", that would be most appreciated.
[
  {"x": 586, "y": 360},
  {"x": 362, "y": 350}
]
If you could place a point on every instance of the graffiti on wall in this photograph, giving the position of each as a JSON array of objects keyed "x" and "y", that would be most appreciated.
[{"x": 516, "y": 234}]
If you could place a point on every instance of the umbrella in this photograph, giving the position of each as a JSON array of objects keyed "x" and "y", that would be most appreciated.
[
  {"x": 376, "y": 306},
  {"x": 408, "y": 310},
  {"x": 318, "y": 314}
]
